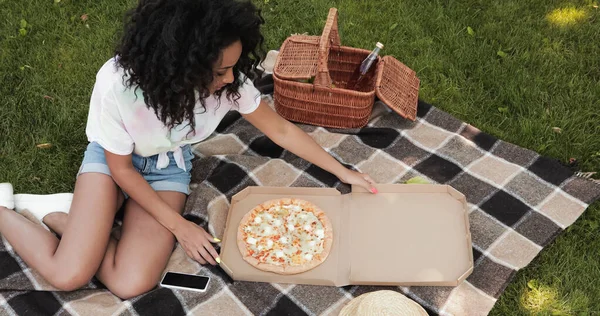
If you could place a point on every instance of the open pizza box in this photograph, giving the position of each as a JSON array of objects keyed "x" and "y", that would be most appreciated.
[{"x": 407, "y": 235}]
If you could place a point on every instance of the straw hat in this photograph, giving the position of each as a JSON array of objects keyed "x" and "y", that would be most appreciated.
[{"x": 380, "y": 303}]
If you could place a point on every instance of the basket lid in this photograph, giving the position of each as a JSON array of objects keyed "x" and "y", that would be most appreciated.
[
  {"x": 298, "y": 58},
  {"x": 398, "y": 87}
]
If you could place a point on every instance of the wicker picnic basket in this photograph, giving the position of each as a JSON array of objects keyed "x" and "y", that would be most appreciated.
[{"x": 325, "y": 102}]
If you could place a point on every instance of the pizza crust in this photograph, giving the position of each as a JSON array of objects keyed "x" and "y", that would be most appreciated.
[{"x": 284, "y": 268}]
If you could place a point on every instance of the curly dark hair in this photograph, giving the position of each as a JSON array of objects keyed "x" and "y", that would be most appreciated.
[{"x": 170, "y": 47}]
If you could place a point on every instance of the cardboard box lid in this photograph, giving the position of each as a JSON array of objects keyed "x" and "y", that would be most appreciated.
[{"x": 405, "y": 235}]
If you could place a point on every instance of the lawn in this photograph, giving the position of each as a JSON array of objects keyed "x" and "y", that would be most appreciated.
[{"x": 527, "y": 72}]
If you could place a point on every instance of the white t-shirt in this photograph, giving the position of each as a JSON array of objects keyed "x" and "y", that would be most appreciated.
[{"x": 121, "y": 123}]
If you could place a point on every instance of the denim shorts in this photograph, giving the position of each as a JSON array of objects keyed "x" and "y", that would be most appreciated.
[{"x": 170, "y": 178}]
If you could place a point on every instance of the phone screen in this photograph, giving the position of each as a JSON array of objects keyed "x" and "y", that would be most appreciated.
[{"x": 185, "y": 280}]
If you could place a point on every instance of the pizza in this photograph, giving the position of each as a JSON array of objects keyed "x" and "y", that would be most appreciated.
[{"x": 285, "y": 236}]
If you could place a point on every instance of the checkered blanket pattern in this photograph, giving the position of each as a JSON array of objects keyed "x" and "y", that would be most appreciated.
[{"x": 518, "y": 203}]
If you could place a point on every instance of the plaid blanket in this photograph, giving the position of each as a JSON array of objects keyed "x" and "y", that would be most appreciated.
[{"x": 518, "y": 203}]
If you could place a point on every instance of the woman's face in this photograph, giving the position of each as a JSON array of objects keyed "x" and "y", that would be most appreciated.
[{"x": 223, "y": 70}]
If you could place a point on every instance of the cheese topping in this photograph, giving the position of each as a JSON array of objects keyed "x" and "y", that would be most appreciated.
[
  {"x": 320, "y": 233},
  {"x": 298, "y": 241}
]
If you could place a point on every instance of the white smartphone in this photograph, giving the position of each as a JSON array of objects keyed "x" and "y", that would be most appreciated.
[{"x": 183, "y": 281}]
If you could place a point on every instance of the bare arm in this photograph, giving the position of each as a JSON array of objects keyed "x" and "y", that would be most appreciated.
[{"x": 292, "y": 138}]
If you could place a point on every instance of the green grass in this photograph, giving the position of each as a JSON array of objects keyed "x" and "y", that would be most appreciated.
[{"x": 525, "y": 68}]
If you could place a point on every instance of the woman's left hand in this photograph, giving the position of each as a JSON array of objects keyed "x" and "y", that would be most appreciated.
[
  {"x": 360, "y": 179},
  {"x": 292, "y": 138}
]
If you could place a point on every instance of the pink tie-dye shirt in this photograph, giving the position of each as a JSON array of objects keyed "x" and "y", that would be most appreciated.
[{"x": 121, "y": 123}]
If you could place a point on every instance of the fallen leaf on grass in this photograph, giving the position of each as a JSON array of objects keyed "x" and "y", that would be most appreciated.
[
  {"x": 84, "y": 17},
  {"x": 44, "y": 146},
  {"x": 572, "y": 161},
  {"x": 22, "y": 32},
  {"x": 501, "y": 54},
  {"x": 395, "y": 25},
  {"x": 503, "y": 110},
  {"x": 470, "y": 31},
  {"x": 47, "y": 97},
  {"x": 557, "y": 130},
  {"x": 23, "y": 23}
]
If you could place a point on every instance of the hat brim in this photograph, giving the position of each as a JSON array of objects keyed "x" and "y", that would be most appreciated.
[{"x": 384, "y": 302}]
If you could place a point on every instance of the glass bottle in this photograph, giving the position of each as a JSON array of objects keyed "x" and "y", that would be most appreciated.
[{"x": 362, "y": 71}]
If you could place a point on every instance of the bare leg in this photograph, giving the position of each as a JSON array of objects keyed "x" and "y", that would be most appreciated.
[
  {"x": 71, "y": 262},
  {"x": 133, "y": 265},
  {"x": 57, "y": 221}
]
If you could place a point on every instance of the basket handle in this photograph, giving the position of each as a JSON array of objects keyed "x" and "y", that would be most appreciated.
[{"x": 329, "y": 37}]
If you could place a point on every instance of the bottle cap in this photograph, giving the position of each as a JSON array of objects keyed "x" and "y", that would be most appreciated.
[{"x": 379, "y": 45}]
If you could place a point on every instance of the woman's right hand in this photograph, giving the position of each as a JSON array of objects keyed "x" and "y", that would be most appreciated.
[{"x": 197, "y": 243}]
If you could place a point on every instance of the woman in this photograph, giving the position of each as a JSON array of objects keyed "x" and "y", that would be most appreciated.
[{"x": 179, "y": 68}]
